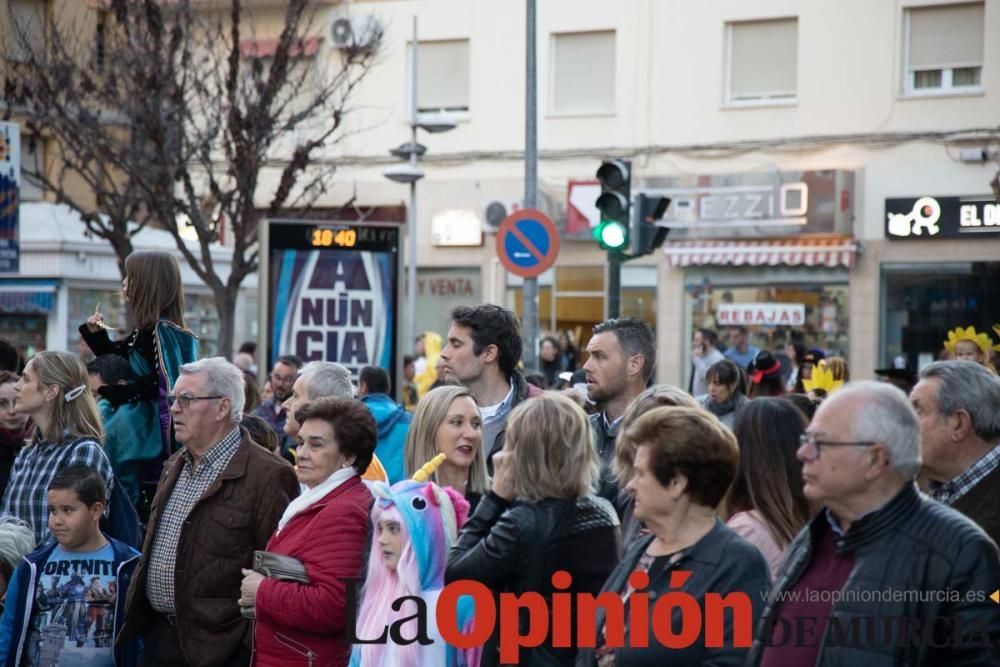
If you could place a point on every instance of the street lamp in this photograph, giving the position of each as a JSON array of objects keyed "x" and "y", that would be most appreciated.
[{"x": 410, "y": 173}]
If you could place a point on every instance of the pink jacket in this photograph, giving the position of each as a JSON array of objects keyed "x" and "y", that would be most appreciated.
[
  {"x": 751, "y": 527},
  {"x": 305, "y": 625}
]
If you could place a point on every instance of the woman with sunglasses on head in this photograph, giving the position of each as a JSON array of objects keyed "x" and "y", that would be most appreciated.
[
  {"x": 53, "y": 392},
  {"x": 138, "y": 437}
]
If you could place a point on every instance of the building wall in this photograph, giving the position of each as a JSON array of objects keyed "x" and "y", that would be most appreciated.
[{"x": 670, "y": 72}]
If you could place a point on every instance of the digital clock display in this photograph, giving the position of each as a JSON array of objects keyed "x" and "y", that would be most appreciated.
[{"x": 333, "y": 237}]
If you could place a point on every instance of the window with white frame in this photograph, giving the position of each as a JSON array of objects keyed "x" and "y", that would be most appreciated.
[
  {"x": 943, "y": 49},
  {"x": 583, "y": 73},
  {"x": 762, "y": 63},
  {"x": 443, "y": 75}
]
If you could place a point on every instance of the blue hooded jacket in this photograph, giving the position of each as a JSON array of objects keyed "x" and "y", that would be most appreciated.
[
  {"x": 393, "y": 424},
  {"x": 20, "y": 604}
]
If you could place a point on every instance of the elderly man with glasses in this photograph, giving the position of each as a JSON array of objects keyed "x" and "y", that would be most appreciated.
[
  {"x": 219, "y": 499},
  {"x": 882, "y": 575},
  {"x": 274, "y": 411}
]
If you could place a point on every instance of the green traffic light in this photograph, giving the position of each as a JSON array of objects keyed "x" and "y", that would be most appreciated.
[{"x": 613, "y": 235}]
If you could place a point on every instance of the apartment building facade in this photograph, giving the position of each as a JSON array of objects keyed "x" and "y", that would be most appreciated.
[{"x": 794, "y": 139}]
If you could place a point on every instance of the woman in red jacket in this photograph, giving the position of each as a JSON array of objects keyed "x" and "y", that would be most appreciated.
[{"x": 325, "y": 529}]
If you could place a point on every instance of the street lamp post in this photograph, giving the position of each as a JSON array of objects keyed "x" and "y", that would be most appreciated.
[{"x": 410, "y": 173}]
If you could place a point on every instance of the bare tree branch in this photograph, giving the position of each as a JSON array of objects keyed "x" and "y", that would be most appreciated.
[{"x": 183, "y": 114}]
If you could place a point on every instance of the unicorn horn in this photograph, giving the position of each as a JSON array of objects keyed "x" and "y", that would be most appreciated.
[{"x": 428, "y": 468}]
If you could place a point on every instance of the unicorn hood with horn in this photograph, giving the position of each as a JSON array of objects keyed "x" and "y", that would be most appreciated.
[{"x": 427, "y": 519}]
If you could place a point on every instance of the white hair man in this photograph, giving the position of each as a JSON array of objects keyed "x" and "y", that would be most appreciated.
[
  {"x": 219, "y": 499},
  {"x": 318, "y": 379},
  {"x": 958, "y": 404},
  {"x": 878, "y": 554},
  {"x": 324, "y": 379}
]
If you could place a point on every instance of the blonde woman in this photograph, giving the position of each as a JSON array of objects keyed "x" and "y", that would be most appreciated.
[
  {"x": 541, "y": 516},
  {"x": 53, "y": 392},
  {"x": 447, "y": 422}
]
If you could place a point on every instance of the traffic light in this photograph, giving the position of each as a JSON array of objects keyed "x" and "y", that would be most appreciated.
[
  {"x": 646, "y": 236},
  {"x": 614, "y": 204}
]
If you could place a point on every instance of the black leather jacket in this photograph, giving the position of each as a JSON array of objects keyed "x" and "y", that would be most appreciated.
[
  {"x": 515, "y": 547},
  {"x": 911, "y": 547}
]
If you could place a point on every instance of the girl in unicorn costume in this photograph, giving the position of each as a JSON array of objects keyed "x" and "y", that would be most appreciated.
[{"x": 415, "y": 524}]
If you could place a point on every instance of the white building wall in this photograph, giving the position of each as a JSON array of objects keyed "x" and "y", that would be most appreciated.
[{"x": 670, "y": 75}]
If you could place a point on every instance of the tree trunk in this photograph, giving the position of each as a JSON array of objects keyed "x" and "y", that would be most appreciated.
[{"x": 226, "y": 302}]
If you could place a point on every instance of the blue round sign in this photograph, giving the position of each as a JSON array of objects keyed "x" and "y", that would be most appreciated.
[{"x": 527, "y": 243}]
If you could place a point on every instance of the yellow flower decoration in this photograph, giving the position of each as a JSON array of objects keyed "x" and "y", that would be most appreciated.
[
  {"x": 822, "y": 380},
  {"x": 959, "y": 334},
  {"x": 996, "y": 329}
]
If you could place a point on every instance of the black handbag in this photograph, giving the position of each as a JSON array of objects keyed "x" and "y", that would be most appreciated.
[{"x": 277, "y": 567}]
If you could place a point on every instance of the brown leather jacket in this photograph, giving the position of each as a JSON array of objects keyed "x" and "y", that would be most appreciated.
[{"x": 236, "y": 515}]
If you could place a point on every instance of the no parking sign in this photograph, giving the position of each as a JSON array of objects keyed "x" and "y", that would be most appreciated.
[{"x": 527, "y": 243}]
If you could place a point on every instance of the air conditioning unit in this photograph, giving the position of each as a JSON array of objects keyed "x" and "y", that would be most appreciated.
[
  {"x": 494, "y": 211},
  {"x": 355, "y": 32}
]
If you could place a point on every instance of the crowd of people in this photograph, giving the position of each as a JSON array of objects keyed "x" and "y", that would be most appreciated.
[{"x": 154, "y": 515}]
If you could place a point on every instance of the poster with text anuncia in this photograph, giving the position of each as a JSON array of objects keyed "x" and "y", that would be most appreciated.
[{"x": 334, "y": 305}]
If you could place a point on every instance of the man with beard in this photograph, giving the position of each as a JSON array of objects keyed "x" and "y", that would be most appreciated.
[
  {"x": 482, "y": 353},
  {"x": 621, "y": 357},
  {"x": 273, "y": 410}
]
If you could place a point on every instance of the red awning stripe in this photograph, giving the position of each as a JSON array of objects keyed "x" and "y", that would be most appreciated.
[{"x": 830, "y": 253}]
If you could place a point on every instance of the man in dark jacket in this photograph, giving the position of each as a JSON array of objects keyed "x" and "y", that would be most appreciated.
[
  {"x": 882, "y": 575},
  {"x": 621, "y": 358},
  {"x": 392, "y": 420},
  {"x": 273, "y": 411},
  {"x": 219, "y": 499},
  {"x": 958, "y": 404},
  {"x": 482, "y": 353}
]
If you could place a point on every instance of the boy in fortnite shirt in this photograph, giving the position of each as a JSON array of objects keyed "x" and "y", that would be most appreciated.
[{"x": 67, "y": 589}]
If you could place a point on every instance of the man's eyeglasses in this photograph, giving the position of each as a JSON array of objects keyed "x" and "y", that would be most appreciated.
[
  {"x": 814, "y": 444},
  {"x": 185, "y": 401},
  {"x": 282, "y": 379}
]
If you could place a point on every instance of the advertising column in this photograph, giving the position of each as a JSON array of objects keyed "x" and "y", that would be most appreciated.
[{"x": 333, "y": 293}]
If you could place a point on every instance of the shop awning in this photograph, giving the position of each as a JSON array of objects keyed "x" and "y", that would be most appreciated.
[
  {"x": 27, "y": 297},
  {"x": 790, "y": 252}
]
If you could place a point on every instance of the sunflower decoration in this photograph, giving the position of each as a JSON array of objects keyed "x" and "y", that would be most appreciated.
[
  {"x": 821, "y": 383},
  {"x": 996, "y": 330},
  {"x": 958, "y": 334}
]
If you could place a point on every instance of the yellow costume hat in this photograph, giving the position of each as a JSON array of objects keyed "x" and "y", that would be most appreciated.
[
  {"x": 959, "y": 334},
  {"x": 822, "y": 379}
]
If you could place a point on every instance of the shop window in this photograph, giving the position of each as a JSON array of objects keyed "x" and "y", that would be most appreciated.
[
  {"x": 578, "y": 301},
  {"x": 921, "y": 303},
  {"x": 201, "y": 316},
  {"x": 943, "y": 49},
  {"x": 83, "y": 303},
  {"x": 823, "y": 308},
  {"x": 762, "y": 61}
]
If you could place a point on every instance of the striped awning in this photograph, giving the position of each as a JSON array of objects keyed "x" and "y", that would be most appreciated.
[{"x": 830, "y": 253}]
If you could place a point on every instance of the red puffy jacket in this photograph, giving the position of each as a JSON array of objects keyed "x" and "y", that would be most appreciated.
[{"x": 305, "y": 625}]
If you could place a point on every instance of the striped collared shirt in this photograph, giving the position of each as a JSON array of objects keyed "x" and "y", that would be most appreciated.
[
  {"x": 949, "y": 492},
  {"x": 27, "y": 491},
  {"x": 191, "y": 485}
]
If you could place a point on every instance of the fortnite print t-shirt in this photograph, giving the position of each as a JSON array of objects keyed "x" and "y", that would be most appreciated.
[{"x": 74, "y": 620}]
